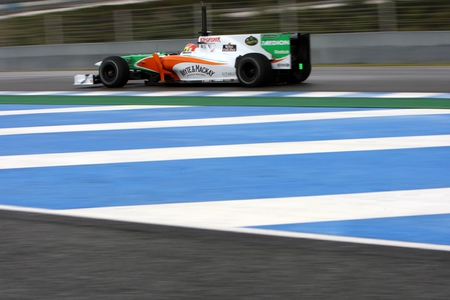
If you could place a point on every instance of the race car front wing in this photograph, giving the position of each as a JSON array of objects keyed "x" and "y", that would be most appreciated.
[{"x": 86, "y": 79}]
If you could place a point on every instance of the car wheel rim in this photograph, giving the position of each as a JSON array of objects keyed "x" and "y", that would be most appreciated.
[
  {"x": 249, "y": 71},
  {"x": 110, "y": 73}
]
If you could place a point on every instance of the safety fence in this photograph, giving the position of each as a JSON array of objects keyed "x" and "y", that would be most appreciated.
[{"x": 155, "y": 20}]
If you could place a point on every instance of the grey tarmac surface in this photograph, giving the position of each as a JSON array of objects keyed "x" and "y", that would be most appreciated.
[
  {"x": 52, "y": 257},
  {"x": 49, "y": 257}
]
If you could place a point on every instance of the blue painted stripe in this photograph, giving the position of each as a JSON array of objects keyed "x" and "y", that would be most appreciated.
[
  {"x": 226, "y": 134},
  {"x": 226, "y": 179},
  {"x": 441, "y": 96},
  {"x": 433, "y": 229},
  {"x": 24, "y": 107}
]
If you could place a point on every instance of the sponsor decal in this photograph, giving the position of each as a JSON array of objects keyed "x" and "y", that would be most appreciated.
[
  {"x": 282, "y": 52},
  {"x": 210, "y": 39},
  {"x": 229, "y": 48},
  {"x": 196, "y": 70},
  {"x": 251, "y": 41},
  {"x": 228, "y": 74},
  {"x": 276, "y": 43}
]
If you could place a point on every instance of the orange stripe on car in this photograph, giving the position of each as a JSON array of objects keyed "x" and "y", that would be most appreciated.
[
  {"x": 164, "y": 64},
  {"x": 278, "y": 60}
]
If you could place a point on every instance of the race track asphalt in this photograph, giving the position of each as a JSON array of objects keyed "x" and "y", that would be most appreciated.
[
  {"x": 54, "y": 257},
  {"x": 45, "y": 257}
]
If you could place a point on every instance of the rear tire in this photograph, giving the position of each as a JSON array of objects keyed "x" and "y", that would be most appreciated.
[
  {"x": 253, "y": 70},
  {"x": 114, "y": 72}
]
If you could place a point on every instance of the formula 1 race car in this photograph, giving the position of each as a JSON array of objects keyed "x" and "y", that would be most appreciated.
[{"x": 252, "y": 60}]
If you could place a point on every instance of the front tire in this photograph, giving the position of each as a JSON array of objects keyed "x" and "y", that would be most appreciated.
[
  {"x": 114, "y": 72},
  {"x": 253, "y": 70}
]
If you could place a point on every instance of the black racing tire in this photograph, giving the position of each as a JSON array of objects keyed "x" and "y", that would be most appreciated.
[
  {"x": 114, "y": 72},
  {"x": 253, "y": 70}
]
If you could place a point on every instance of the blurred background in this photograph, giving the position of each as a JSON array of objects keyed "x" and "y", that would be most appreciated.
[{"x": 48, "y": 22}]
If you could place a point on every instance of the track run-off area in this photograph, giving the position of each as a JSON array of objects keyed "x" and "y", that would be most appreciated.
[
  {"x": 336, "y": 188},
  {"x": 368, "y": 168}
]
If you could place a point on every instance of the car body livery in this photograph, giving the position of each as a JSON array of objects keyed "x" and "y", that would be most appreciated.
[{"x": 250, "y": 59}]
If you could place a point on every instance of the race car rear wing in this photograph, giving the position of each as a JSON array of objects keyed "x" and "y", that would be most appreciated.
[{"x": 301, "y": 50}]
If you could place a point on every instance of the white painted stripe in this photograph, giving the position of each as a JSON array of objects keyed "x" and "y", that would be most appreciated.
[
  {"x": 345, "y": 239},
  {"x": 81, "y": 109},
  {"x": 100, "y": 93},
  {"x": 321, "y": 94},
  {"x": 240, "y": 94},
  {"x": 182, "y": 93},
  {"x": 409, "y": 95},
  {"x": 166, "y": 94},
  {"x": 222, "y": 151},
  {"x": 234, "y": 215},
  {"x": 221, "y": 121},
  {"x": 41, "y": 93},
  {"x": 272, "y": 211}
]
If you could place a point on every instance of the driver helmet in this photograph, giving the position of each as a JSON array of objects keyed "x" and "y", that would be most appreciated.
[{"x": 190, "y": 47}]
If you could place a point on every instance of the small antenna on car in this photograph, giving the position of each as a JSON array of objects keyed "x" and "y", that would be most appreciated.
[{"x": 204, "y": 31}]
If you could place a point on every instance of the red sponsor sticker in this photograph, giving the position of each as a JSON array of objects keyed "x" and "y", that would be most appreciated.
[{"x": 208, "y": 39}]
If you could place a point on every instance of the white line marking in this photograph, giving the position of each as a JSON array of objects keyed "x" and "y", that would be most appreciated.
[
  {"x": 40, "y": 93},
  {"x": 166, "y": 94},
  {"x": 222, "y": 151},
  {"x": 409, "y": 95},
  {"x": 239, "y": 94},
  {"x": 258, "y": 212},
  {"x": 222, "y": 121},
  {"x": 231, "y": 94},
  {"x": 233, "y": 215},
  {"x": 321, "y": 94},
  {"x": 81, "y": 109},
  {"x": 345, "y": 239},
  {"x": 101, "y": 93}
]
